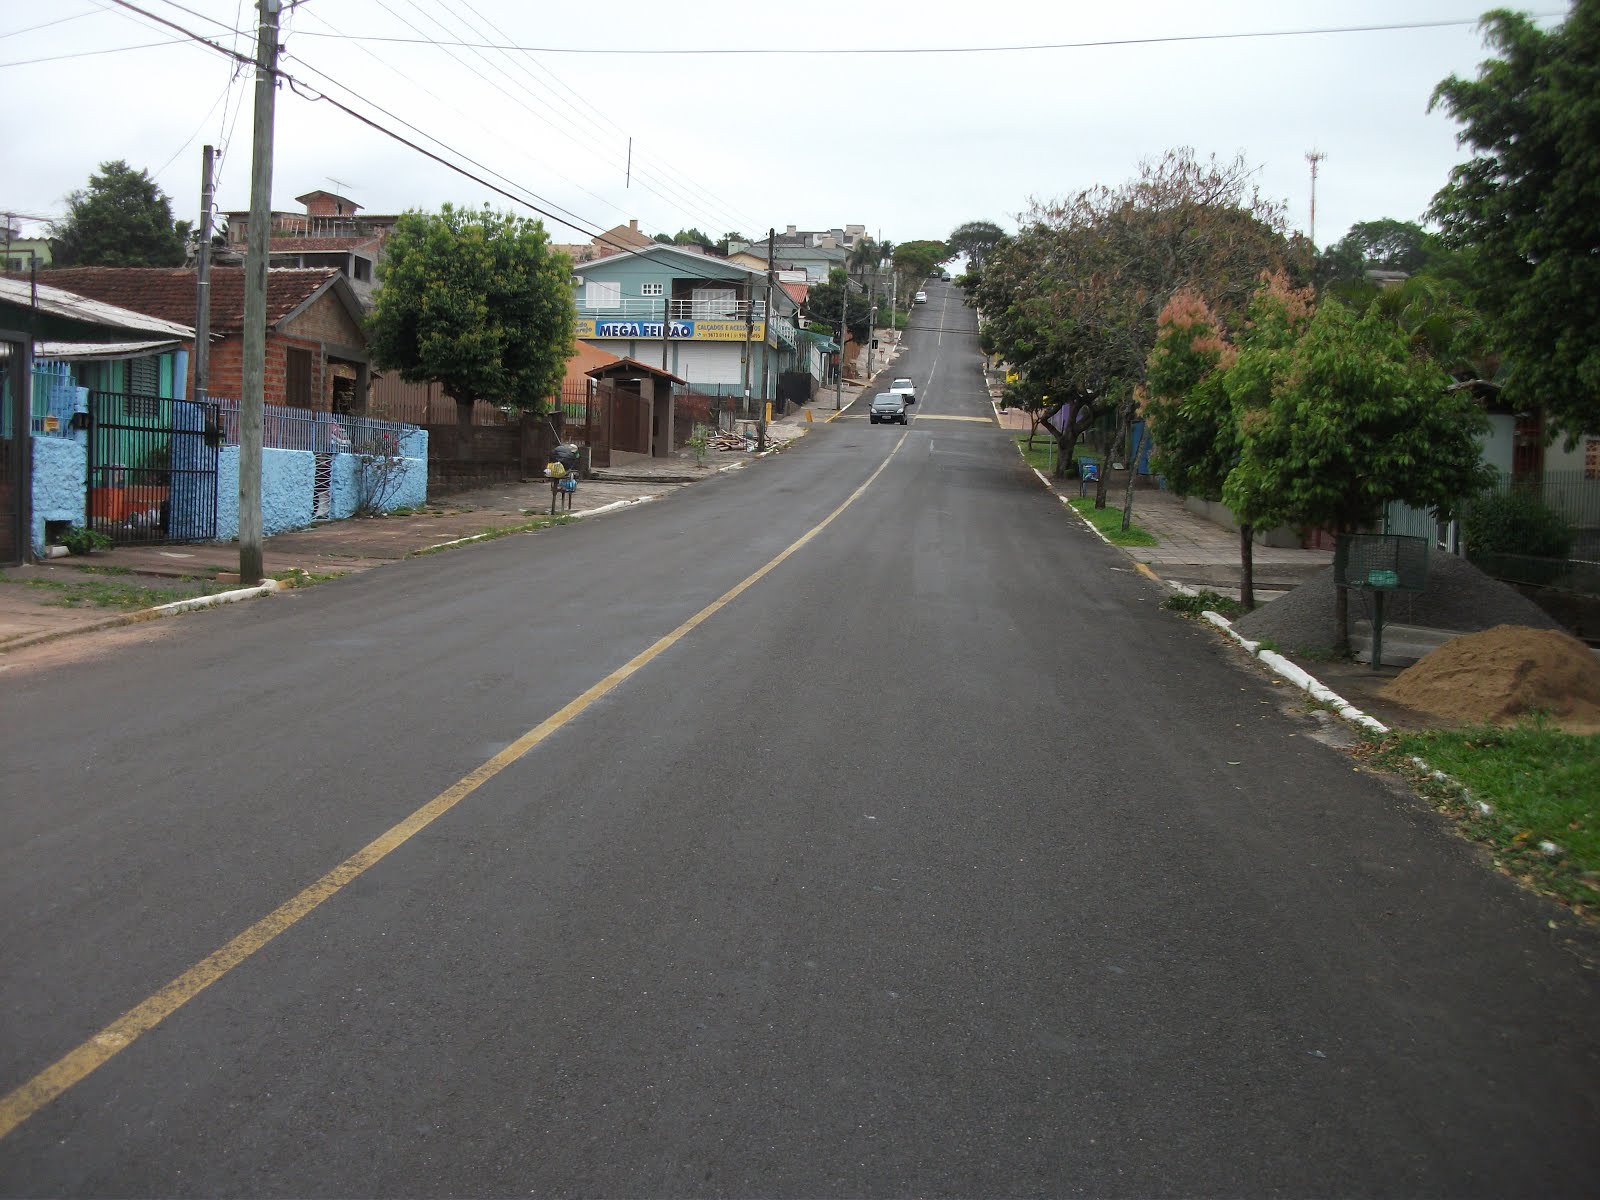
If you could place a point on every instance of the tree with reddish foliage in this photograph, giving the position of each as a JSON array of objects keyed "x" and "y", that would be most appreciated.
[
  {"x": 1073, "y": 300},
  {"x": 1189, "y": 414}
]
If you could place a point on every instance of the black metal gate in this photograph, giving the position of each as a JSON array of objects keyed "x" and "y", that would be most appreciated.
[
  {"x": 15, "y": 414},
  {"x": 152, "y": 468}
]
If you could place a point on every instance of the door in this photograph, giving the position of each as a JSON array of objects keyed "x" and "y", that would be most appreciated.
[{"x": 297, "y": 377}]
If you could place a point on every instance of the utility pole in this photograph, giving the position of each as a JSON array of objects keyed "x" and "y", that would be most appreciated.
[
  {"x": 766, "y": 332},
  {"x": 838, "y": 375},
  {"x": 872, "y": 329},
  {"x": 202, "y": 276},
  {"x": 1314, "y": 157},
  {"x": 252, "y": 405},
  {"x": 749, "y": 322}
]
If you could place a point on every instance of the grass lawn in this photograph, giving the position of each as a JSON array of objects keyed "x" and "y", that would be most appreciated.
[
  {"x": 1042, "y": 457},
  {"x": 112, "y": 593},
  {"x": 1108, "y": 520},
  {"x": 1540, "y": 784},
  {"x": 497, "y": 531}
]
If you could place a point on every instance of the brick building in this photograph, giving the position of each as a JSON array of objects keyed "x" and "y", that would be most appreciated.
[
  {"x": 316, "y": 348},
  {"x": 332, "y": 232}
]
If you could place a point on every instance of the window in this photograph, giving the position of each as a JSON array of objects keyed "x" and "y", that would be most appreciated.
[
  {"x": 297, "y": 380},
  {"x": 600, "y": 293},
  {"x": 712, "y": 302},
  {"x": 652, "y": 289},
  {"x": 363, "y": 269},
  {"x": 144, "y": 381}
]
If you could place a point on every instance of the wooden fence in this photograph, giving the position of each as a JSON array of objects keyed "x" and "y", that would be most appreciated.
[{"x": 393, "y": 399}]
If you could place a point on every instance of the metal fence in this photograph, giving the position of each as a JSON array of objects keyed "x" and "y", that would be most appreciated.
[
  {"x": 56, "y": 397},
  {"x": 391, "y": 398},
  {"x": 1572, "y": 494},
  {"x": 319, "y": 432}
]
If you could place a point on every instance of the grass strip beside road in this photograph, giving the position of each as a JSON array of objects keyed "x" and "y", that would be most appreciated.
[
  {"x": 1041, "y": 456},
  {"x": 1108, "y": 521},
  {"x": 1541, "y": 786},
  {"x": 110, "y": 593}
]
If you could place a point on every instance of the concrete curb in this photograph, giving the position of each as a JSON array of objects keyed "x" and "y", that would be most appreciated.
[
  {"x": 267, "y": 588},
  {"x": 1303, "y": 680},
  {"x": 1275, "y": 662},
  {"x": 618, "y": 504},
  {"x": 832, "y": 417}
]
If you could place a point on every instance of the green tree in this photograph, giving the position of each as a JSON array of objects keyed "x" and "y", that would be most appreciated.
[
  {"x": 864, "y": 259},
  {"x": 1350, "y": 418},
  {"x": 688, "y": 237},
  {"x": 916, "y": 260},
  {"x": 1074, "y": 298},
  {"x": 1190, "y": 415},
  {"x": 122, "y": 219},
  {"x": 1525, "y": 204},
  {"x": 478, "y": 302},
  {"x": 975, "y": 239},
  {"x": 822, "y": 304}
]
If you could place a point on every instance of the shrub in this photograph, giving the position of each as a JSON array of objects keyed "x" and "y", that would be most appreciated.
[
  {"x": 1516, "y": 522},
  {"x": 79, "y": 540}
]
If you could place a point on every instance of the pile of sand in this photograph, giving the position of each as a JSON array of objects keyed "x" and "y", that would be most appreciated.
[{"x": 1504, "y": 673}]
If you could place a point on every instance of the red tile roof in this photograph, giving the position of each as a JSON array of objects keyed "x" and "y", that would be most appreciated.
[
  {"x": 169, "y": 292},
  {"x": 626, "y": 366}
]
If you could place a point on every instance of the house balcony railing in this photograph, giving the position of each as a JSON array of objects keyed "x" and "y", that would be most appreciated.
[{"x": 649, "y": 308}]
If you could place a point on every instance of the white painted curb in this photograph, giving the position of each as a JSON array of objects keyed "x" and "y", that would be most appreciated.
[
  {"x": 1305, "y": 682},
  {"x": 265, "y": 588},
  {"x": 1066, "y": 502},
  {"x": 614, "y": 506}
]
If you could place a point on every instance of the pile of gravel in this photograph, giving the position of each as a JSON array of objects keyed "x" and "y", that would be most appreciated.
[{"x": 1458, "y": 597}]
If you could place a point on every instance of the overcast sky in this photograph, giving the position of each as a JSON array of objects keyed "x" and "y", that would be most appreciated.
[{"x": 910, "y": 145}]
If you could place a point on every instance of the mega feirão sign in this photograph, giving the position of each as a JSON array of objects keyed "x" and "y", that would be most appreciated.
[{"x": 701, "y": 330}]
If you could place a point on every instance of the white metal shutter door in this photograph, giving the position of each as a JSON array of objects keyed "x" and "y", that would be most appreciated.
[{"x": 709, "y": 364}]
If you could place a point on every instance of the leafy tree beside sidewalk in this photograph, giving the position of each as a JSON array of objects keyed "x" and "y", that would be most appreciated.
[
  {"x": 1349, "y": 419},
  {"x": 1189, "y": 414},
  {"x": 478, "y": 302}
]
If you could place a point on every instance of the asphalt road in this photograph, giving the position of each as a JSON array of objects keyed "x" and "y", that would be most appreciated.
[{"x": 938, "y": 860}]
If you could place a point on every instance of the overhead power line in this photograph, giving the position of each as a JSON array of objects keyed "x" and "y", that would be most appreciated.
[
  {"x": 1028, "y": 47},
  {"x": 579, "y": 224}
]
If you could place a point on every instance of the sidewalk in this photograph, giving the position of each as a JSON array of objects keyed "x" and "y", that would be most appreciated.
[{"x": 62, "y": 597}]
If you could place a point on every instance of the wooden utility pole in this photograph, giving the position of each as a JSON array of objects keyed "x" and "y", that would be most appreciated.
[
  {"x": 202, "y": 286},
  {"x": 838, "y": 375},
  {"x": 766, "y": 332},
  {"x": 749, "y": 327},
  {"x": 252, "y": 404}
]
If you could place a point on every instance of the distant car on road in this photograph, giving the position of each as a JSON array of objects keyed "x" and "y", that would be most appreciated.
[
  {"x": 887, "y": 408},
  {"x": 922, "y": 297},
  {"x": 904, "y": 387}
]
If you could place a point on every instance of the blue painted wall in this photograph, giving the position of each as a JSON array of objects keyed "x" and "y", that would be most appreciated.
[
  {"x": 287, "y": 477},
  {"x": 288, "y": 480},
  {"x": 409, "y": 489},
  {"x": 60, "y": 483}
]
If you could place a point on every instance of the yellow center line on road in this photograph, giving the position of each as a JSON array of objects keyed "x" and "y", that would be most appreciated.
[{"x": 80, "y": 1062}]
